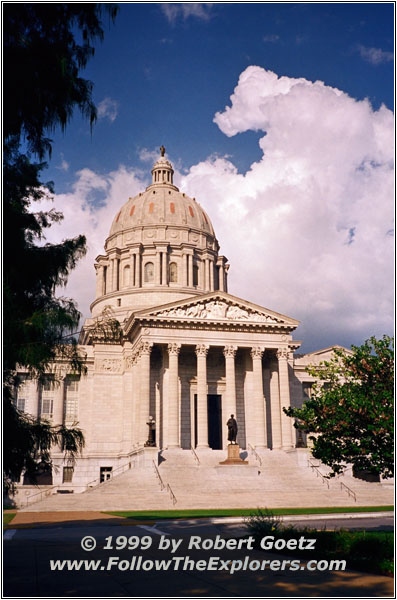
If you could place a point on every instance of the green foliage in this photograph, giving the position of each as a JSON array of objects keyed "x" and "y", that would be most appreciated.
[
  {"x": 45, "y": 46},
  {"x": 28, "y": 443},
  {"x": 263, "y": 522},
  {"x": 370, "y": 552},
  {"x": 351, "y": 409}
]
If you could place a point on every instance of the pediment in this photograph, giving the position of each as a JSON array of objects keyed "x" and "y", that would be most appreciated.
[{"x": 219, "y": 307}]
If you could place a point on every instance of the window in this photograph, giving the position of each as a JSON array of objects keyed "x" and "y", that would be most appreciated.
[
  {"x": 72, "y": 399},
  {"x": 307, "y": 390},
  {"x": 22, "y": 392},
  {"x": 126, "y": 276},
  {"x": 47, "y": 398},
  {"x": 67, "y": 475},
  {"x": 195, "y": 275},
  {"x": 149, "y": 272},
  {"x": 105, "y": 473},
  {"x": 173, "y": 272},
  {"x": 21, "y": 404}
]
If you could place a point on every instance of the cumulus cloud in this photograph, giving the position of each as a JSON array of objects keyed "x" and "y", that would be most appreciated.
[
  {"x": 308, "y": 229},
  {"x": 271, "y": 38},
  {"x": 83, "y": 214},
  {"x": 64, "y": 165},
  {"x": 175, "y": 11},
  {"x": 108, "y": 109},
  {"x": 375, "y": 56}
]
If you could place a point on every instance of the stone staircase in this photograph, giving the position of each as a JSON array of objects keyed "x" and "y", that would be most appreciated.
[{"x": 271, "y": 479}]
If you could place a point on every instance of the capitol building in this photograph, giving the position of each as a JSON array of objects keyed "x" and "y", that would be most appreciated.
[{"x": 190, "y": 354}]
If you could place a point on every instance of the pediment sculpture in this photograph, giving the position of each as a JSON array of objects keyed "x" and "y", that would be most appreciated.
[{"x": 215, "y": 309}]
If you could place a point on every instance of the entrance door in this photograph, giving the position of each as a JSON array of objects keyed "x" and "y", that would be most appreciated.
[
  {"x": 214, "y": 404},
  {"x": 215, "y": 421}
]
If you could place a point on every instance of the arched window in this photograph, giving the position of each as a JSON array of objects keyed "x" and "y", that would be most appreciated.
[
  {"x": 173, "y": 272},
  {"x": 149, "y": 272},
  {"x": 126, "y": 276}
]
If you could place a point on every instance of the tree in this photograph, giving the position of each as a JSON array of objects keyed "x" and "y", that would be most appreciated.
[
  {"x": 350, "y": 412},
  {"x": 45, "y": 47}
]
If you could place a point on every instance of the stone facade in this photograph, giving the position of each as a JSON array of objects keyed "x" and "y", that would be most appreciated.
[{"x": 190, "y": 354}]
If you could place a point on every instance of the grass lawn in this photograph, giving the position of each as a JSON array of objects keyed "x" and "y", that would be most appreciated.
[
  {"x": 241, "y": 512},
  {"x": 8, "y": 517}
]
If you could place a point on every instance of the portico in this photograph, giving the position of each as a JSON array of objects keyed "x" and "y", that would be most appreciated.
[{"x": 189, "y": 352}]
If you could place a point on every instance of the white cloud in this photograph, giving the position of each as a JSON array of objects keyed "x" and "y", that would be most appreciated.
[
  {"x": 82, "y": 215},
  {"x": 194, "y": 9},
  {"x": 108, "y": 109},
  {"x": 149, "y": 155},
  {"x": 271, "y": 38},
  {"x": 64, "y": 166},
  {"x": 375, "y": 56},
  {"x": 307, "y": 229}
]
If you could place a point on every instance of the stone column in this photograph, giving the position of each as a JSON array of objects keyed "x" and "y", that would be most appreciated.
[
  {"x": 207, "y": 275},
  {"x": 164, "y": 270},
  {"x": 173, "y": 396},
  {"x": 114, "y": 274},
  {"x": 258, "y": 399},
  {"x": 226, "y": 274},
  {"x": 202, "y": 404},
  {"x": 132, "y": 269},
  {"x": 184, "y": 270},
  {"x": 144, "y": 351},
  {"x": 59, "y": 400},
  {"x": 35, "y": 392},
  {"x": 221, "y": 278},
  {"x": 275, "y": 406},
  {"x": 286, "y": 436},
  {"x": 99, "y": 280},
  {"x": 157, "y": 270},
  {"x": 211, "y": 265},
  {"x": 135, "y": 400},
  {"x": 230, "y": 407},
  {"x": 138, "y": 268},
  {"x": 202, "y": 274},
  {"x": 190, "y": 263}
]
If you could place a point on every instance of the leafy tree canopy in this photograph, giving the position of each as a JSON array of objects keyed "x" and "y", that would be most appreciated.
[
  {"x": 351, "y": 409},
  {"x": 45, "y": 47}
]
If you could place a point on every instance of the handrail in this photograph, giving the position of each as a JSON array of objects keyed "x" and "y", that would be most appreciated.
[
  {"x": 118, "y": 470},
  {"x": 112, "y": 473},
  {"x": 195, "y": 455},
  {"x": 348, "y": 490},
  {"x": 46, "y": 492},
  {"x": 258, "y": 458},
  {"x": 162, "y": 484},
  {"x": 318, "y": 473},
  {"x": 172, "y": 495}
]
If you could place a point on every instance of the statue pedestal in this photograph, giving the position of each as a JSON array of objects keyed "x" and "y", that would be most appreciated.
[{"x": 233, "y": 456}]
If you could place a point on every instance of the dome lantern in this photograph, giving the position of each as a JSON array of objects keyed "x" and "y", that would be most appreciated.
[{"x": 162, "y": 172}]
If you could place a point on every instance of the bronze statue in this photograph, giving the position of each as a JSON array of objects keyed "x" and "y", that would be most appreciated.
[
  {"x": 232, "y": 430},
  {"x": 162, "y": 150}
]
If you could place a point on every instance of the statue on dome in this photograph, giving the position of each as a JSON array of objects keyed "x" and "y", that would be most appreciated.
[{"x": 162, "y": 150}]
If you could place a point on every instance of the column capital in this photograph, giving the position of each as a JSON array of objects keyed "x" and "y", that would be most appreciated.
[
  {"x": 144, "y": 348},
  {"x": 282, "y": 354},
  {"x": 257, "y": 352},
  {"x": 202, "y": 349},
  {"x": 174, "y": 348},
  {"x": 229, "y": 351}
]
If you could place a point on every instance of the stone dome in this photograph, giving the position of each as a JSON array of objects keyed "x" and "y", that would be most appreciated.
[
  {"x": 161, "y": 204},
  {"x": 161, "y": 248}
]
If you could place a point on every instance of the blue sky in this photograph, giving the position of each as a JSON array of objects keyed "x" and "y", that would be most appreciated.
[{"x": 161, "y": 75}]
